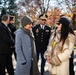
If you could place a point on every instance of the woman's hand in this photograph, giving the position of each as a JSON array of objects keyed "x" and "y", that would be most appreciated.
[{"x": 49, "y": 60}]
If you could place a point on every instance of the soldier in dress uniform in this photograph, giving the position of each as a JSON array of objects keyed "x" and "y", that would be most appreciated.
[{"x": 41, "y": 33}]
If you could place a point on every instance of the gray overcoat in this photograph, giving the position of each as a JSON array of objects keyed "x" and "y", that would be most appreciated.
[{"x": 23, "y": 43}]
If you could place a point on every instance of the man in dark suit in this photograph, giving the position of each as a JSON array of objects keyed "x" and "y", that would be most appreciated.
[
  {"x": 6, "y": 42},
  {"x": 13, "y": 29},
  {"x": 42, "y": 33}
]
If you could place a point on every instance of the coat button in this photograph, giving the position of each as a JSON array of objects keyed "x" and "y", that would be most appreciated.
[
  {"x": 41, "y": 33},
  {"x": 41, "y": 40}
]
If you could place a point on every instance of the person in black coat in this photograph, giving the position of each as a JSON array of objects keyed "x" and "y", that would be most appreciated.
[
  {"x": 41, "y": 33},
  {"x": 13, "y": 29},
  {"x": 6, "y": 42}
]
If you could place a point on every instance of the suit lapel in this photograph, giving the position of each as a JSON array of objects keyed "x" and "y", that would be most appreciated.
[
  {"x": 7, "y": 30},
  {"x": 39, "y": 27}
]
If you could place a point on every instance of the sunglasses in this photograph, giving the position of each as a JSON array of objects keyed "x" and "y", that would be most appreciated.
[
  {"x": 43, "y": 19},
  {"x": 58, "y": 23}
]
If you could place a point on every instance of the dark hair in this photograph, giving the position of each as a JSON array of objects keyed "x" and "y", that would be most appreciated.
[
  {"x": 65, "y": 29},
  {"x": 5, "y": 17},
  {"x": 11, "y": 18},
  {"x": 62, "y": 15}
]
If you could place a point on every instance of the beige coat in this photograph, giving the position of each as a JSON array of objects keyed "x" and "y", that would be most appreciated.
[
  {"x": 74, "y": 61},
  {"x": 60, "y": 54}
]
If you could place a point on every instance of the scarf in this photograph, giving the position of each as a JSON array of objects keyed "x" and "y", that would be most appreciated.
[{"x": 28, "y": 32}]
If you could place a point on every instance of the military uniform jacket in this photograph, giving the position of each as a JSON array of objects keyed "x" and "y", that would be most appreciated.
[{"x": 41, "y": 37}]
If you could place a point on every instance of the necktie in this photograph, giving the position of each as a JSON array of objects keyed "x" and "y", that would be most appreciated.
[
  {"x": 42, "y": 27},
  {"x": 8, "y": 29}
]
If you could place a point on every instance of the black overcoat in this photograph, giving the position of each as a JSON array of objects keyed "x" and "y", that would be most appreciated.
[{"x": 5, "y": 40}]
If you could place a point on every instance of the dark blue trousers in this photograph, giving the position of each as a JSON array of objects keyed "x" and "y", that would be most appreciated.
[{"x": 42, "y": 61}]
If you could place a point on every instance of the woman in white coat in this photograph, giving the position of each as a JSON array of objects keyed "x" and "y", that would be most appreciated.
[{"x": 60, "y": 47}]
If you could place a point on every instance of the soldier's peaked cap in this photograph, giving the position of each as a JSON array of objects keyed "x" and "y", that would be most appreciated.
[{"x": 43, "y": 16}]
